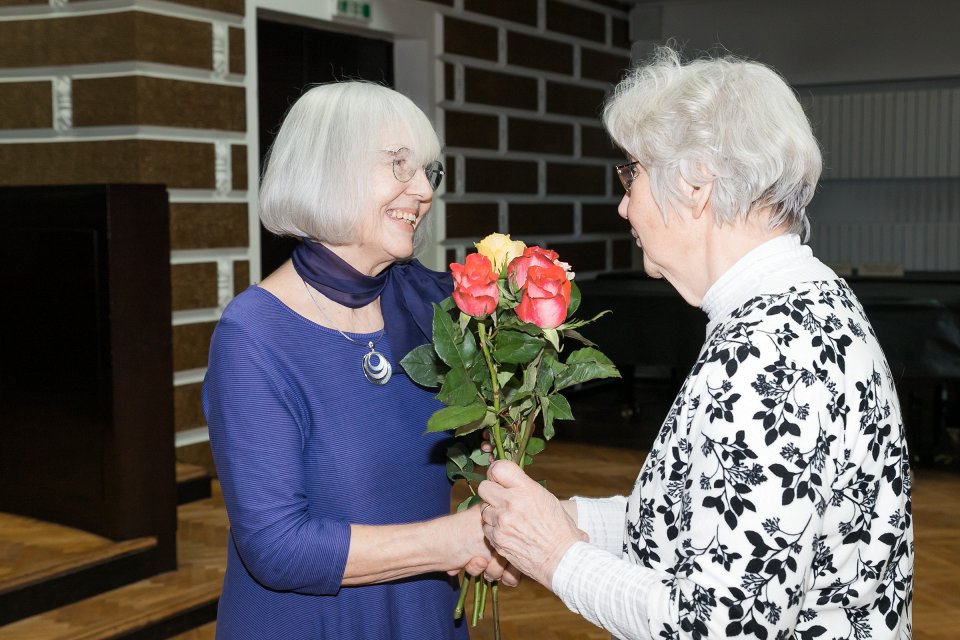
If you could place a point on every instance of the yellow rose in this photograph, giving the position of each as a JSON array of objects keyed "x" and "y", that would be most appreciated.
[{"x": 500, "y": 249}]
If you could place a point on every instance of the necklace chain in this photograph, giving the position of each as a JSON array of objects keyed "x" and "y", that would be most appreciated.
[
  {"x": 370, "y": 343},
  {"x": 376, "y": 368}
]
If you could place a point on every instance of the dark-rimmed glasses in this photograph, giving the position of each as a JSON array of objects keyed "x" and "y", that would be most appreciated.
[
  {"x": 404, "y": 168},
  {"x": 627, "y": 172}
]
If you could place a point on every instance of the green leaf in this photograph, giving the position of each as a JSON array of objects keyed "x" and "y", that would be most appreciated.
[
  {"x": 548, "y": 430},
  {"x": 468, "y": 502},
  {"x": 553, "y": 337},
  {"x": 547, "y": 373},
  {"x": 456, "y": 349},
  {"x": 489, "y": 419},
  {"x": 457, "y": 474},
  {"x": 457, "y": 454},
  {"x": 535, "y": 445},
  {"x": 423, "y": 366},
  {"x": 574, "y": 299},
  {"x": 504, "y": 378},
  {"x": 583, "y": 365},
  {"x": 576, "y": 335},
  {"x": 452, "y": 417},
  {"x": 527, "y": 460},
  {"x": 560, "y": 407},
  {"x": 480, "y": 457},
  {"x": 457, "y": 390},
  {"x": 448, "y": 304},
  {"x": 516, "y": 347}
]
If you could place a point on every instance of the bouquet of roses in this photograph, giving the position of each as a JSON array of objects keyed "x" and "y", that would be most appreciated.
[{"x": 497, "y": 356}]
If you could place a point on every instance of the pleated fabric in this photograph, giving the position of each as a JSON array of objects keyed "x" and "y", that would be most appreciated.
[{"x": 304, "y": 446}]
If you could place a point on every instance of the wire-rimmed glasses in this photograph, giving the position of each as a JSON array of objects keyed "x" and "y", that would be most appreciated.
[
  {"x": 404, "y": 168},
  {"x": 627, "y": 172}
]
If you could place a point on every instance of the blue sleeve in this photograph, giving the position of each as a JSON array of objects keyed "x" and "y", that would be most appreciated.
[{"x": 255, "y": 435}]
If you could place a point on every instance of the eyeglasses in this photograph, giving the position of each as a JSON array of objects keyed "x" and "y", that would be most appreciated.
[
  {"x": 627, "y": 172},
  {"x": 404, "y": 168}
]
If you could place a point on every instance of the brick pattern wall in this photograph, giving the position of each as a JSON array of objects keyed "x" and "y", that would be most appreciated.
[
  {"x": 139, "y": 94},
  {"x": 524, "y": 83}
]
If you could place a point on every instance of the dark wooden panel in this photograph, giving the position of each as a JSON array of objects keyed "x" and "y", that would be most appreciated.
[{"x": 87, "y": 412}]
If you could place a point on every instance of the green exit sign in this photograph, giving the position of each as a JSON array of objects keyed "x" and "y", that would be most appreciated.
[{"x": 354, "y": 10}]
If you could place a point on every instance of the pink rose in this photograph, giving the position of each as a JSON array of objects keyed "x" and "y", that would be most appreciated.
[
  {"x": 532, "y": 256},
  {"x": 546, "y": 295},
  {"x": 475, "y": 285}
]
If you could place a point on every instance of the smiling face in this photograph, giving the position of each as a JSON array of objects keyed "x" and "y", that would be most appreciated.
[{"x": 395, "y": 208}]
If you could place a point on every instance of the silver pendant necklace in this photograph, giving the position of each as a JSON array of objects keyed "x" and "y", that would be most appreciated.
[{"x": 376, "y": 367}]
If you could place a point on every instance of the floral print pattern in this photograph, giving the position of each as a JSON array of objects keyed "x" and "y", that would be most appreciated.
[{"x": 776, "y": 497}]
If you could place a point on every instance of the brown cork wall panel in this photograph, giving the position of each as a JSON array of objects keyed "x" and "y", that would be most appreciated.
[
  {"x": 448, "y": 3},
  {"x": 541, "y": 219},
  {"x": 193, "y": 286},
  {"x": 540, "y": 136},
  {"x": 524, "y": 11},
  {"x": 238, "y": 51},
  {"x": 602, "y": 218},
  {"x": 157, "y": 101},
  {"x": 576, "y": 21},
  {"x": 208, "y": 226},
  {"x": 241, "y": 276},
  {"x": 110, "y": 37},
  {"x": 184, "y": 165},
  {"x": 238, "y": 166},
  {"x": 469, "y": 39},
  {"x": 595, "y": 142},
  {"x": 450, "y": 173},
  {"x": 583, "y": 256},
  {"x": 600, "y": 65},
  {"x": 539, "y": 53},
  {"x": 501, "y": 89},
  {"x": 191, "y": 344},
  {"x": 471, "y": 130},
  {"x": 26, "y": 105},
  {"x": 198, "y": 454},
  {"x": 576, "y": 179},
  {"x": 573, "y": 100},
  {"x": 471, "y": 219},
  {"x": 500, "y": 176},
  {"x": 187, "y": 408}
]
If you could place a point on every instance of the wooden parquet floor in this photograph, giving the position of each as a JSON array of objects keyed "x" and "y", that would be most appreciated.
[{"x": 529, "y": 611}]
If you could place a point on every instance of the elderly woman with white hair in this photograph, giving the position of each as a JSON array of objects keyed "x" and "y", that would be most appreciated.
[
  {"x": 775, "y": 502},
  {"x": 338, "y": 501}
]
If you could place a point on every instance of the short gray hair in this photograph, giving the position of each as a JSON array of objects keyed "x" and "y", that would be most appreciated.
[
  {"x": 317, "y": 175},
  {"x": 725, "y": 120}
]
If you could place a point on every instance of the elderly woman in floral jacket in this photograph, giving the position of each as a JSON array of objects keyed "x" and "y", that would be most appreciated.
[{"x": 775, "y": 502}]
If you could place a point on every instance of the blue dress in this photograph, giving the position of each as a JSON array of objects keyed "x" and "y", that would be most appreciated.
[{"x": 304, "y": 446}]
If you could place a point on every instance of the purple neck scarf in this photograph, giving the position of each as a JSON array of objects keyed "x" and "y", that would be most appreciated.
[{"x": 406, "y": 291}]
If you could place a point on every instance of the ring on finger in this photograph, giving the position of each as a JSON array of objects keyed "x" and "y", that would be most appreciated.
[{"x": 486, "y": 505}]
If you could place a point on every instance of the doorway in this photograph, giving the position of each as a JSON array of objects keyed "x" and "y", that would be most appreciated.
[{"x": 291, "y": 58}]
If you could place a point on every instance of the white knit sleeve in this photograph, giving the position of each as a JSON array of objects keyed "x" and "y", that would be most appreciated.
[
  {"x": 603, "y": 519},
  {"x": 609, "y": 592}
]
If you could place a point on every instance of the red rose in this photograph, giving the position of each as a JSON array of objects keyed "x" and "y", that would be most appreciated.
[
  {"x": 532, "y": 256},
  {"x": 475, "y": 285},
  {"x": 546, "y": 296}
]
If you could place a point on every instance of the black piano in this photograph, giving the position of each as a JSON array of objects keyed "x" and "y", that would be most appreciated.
[{"x": 916, "y": 318}]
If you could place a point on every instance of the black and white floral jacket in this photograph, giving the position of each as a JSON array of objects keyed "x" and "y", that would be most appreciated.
[{"x": 776, "y": 498}]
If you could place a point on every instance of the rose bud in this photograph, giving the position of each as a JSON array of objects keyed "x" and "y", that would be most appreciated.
[
  {"x": 546, "y": 296},
  {"x": 475, "y": 285}
]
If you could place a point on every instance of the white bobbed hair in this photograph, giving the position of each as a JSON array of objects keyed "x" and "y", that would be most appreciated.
[
  {"x": 726, "y": 121},
  {"x": 316, "y": 183}
]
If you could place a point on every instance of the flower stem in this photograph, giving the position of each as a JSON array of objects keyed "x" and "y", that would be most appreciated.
[
  {"x": 483, "y": 598},
  {"x": 496, "y": 611},
  {"x": 464, "y": 587},
  {"x": 525, "y": 435},
  {"x": 476, "y": 602},
  {"x": 497, "y": 437}
]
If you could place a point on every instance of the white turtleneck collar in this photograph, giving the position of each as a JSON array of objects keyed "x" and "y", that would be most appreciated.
[{"x": 774, "y": 266}]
